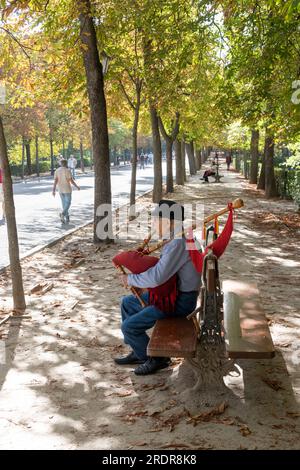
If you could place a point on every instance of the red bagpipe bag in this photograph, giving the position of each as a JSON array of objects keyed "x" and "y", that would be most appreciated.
[
  {"x": 218, "y": 246},
  {"x": 164, "y": 296}
]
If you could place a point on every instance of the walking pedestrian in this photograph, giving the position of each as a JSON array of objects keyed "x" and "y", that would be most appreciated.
[
  {"x": 228, "y": 161},
  {"x": 63, "y": 181},
  {"x": 142, "y": 161},
  {"x": 72, "y": 164}
]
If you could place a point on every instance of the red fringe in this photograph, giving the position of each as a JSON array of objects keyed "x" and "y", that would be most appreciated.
[{"x": 164, "y": 297}]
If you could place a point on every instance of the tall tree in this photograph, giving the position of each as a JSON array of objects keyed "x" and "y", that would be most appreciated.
[
  {"x": 261, "y": 184},
  {"x": 179, "y": 162},
  {"x": 254, "y": 156},
  {"x": 13, "y": 245},
  {"x": 270, "y": 182},
  {"x": 157, "y": 155},
  {"x": 28, "y": 156},
  {"x": 169, "y": 139},
  {"x": 135, "y": 105},
  {"x": 37, "y": 160},
  {"x": 95, "y": 89},
  {"x": 198, "y": 159},
  {"x": 191, "y": 157},
  {"x": 183, "y": 158}
]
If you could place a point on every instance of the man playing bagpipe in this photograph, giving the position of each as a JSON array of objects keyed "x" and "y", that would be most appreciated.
[{"x": 173, "y": 285}]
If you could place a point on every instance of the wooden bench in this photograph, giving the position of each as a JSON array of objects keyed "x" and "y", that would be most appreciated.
[
  {"x": 173, "y": 337},
  {"x": 217, "y": 178},
  {"x": 247, "y": 333}
]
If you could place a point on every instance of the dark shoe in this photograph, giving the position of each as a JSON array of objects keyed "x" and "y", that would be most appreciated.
[
  {"x": 131, "y": 358},
  {"x": 152, "y": 365}
]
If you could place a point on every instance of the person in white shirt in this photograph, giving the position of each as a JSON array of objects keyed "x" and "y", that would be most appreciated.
[
  {"x": 63, "y": 181},
  {"x": 72, "y": 164}
]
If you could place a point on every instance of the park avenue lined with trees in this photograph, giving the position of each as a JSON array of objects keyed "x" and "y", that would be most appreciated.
[{"x": 108, "y": 80}]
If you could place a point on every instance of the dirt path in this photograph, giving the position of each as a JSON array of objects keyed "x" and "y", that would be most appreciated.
[{"x": 61, "y": 390}]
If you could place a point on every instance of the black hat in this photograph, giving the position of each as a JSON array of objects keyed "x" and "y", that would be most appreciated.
[{"x": 167, "y": 209}]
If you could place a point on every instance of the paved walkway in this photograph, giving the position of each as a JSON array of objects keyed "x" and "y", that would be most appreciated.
[
  {"x": 37, "y": 211},
  {"x": 59, "y": 386}
]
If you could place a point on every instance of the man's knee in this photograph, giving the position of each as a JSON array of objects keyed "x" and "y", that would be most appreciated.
[
  {"x": 126, "y": 327},
  {"x": 125, "y": 301}
]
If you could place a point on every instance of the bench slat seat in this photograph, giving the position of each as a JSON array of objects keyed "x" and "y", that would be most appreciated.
[
  {"x": 247, "y": 331},
  {"x": 173, "y": 337}
]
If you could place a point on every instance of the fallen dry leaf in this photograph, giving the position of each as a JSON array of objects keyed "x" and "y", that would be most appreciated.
[
  {"x": 274, "y": 384},
  {"x": 208, "y": 415},
  {"x": 147, "y": 387},
  {"x": 172, "y": 420},
  {"x": 41, "y": 288},
  {"x": 125, "y": 393},
  {"x": 244, "y": 430},
  {"x": 292, "y": 414}
]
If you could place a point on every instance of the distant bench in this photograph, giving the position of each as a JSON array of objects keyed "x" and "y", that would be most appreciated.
[{"x": 247, "y": 331}]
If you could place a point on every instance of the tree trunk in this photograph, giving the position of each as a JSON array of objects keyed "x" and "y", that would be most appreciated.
[
  {"x": 198, "y": 159},
  {"x": 37, "y": 162},
  {"x": 270, "y": 182},
  {"x": 134, "y": 160},
  {"x": 92, "y": 156},
  {"x": 157, "y": 187},
  {"x": 169, "y": 139},
  {"x": 254, "y": 156},
  {"x": 262, "y": 177},
  {"x": 28, "y": 157},
  {"x": 95, "y": 89},
  {"x": 51, "y": 154},
  {"x": 179, "y": 163},
  {"x": 183, "y": 159},
  {"x": 63, "y": 147},
  {"x": 190, "y": 152},
  {"x": 169, "y": 145},
  {"x": 23, "y": 158},
  {"x": 81, "y": 156},
  {"x": 13, "y": 244}
]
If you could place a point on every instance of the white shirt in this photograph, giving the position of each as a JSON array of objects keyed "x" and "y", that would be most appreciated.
[
  {"x": 72, "y": 162},
  {"x": 64, "y": 177}
]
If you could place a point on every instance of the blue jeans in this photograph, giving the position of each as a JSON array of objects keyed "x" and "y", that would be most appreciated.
[
  {"x": 66, "y": 199},
  {"x": 136, "y": 320},
  {"x": 72, "y": 170}
]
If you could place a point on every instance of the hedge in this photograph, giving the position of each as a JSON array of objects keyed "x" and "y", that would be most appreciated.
[
  {"x": 287, "y": 180},
  {"x": 44, "y": 167}
]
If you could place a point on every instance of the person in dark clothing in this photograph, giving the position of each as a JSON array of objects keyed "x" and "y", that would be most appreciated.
[
  {"x": 228, "y": 161},
  {"x": 210, "y": 172}
]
